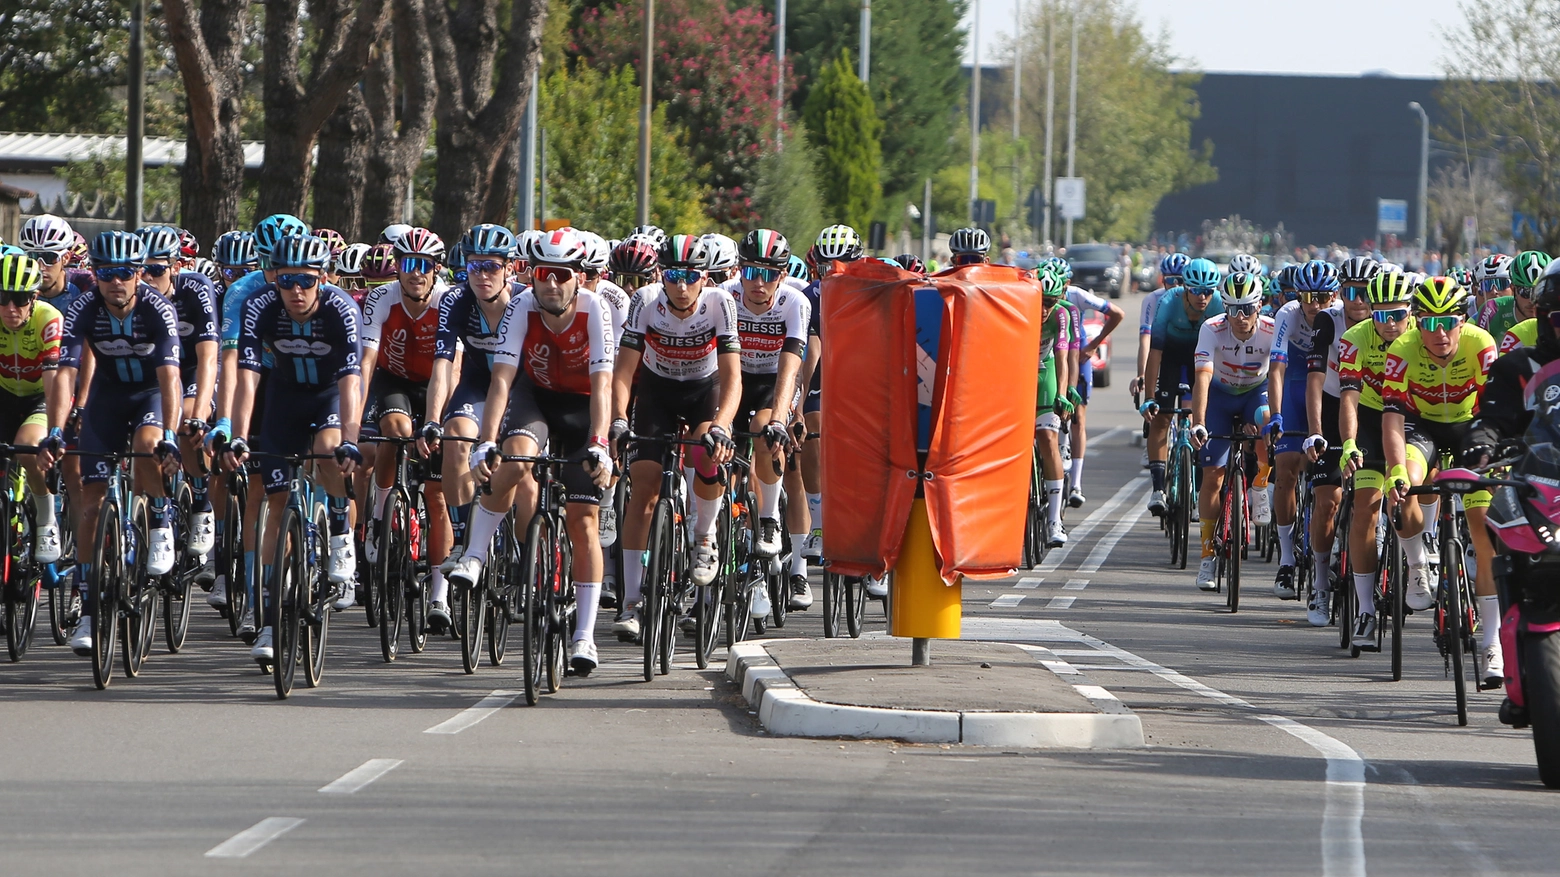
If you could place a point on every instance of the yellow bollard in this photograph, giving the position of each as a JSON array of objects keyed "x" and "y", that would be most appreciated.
[{"x": 923, "y": 605}]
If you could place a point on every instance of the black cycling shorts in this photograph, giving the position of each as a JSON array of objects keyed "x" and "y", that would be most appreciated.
[
  {"x": 559, "y": 423},
  {"x": 662, "y": 402}
]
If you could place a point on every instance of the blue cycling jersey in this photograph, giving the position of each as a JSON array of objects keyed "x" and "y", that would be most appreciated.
[
  {"x": 238, "y": 293},
  {"x": 194, "y": 300},
  {"x": 463, "y": 325},
  {"x": 1172, "y": 327},
  {"x": 314, "y": 353},
  {"x": 130, "y": 349}
]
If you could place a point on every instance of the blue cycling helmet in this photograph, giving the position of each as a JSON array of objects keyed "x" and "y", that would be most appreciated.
[
  {"x": 1317, "y": 275},
  {"x": 11, "y": 250},
  {"x": 797, "y": 267},
  {"x": 301, "y": 251},
  {"x": 162, "y": 241},
  {"x": 270, "y": 231},
  {"x": 117, "y": 248},
  {"x": 1201, "y": 274},
  {"x": 488, "y": 240},
  {"x": 1056, "y": 265},
  {"x": 235, "y": 248},
  {"x": 1173, "y": 264}
]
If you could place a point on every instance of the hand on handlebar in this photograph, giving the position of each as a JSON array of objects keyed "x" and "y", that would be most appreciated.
[{"x": 1199, "y": 435}]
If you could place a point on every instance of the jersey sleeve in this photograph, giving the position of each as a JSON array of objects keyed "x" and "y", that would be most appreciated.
[
  {"x": 634, "y": 325},
  {"x": 1350, "y": 374},
  {"x": 1086, "y": 300},
  {"x": 726, "y": 338},
  {"x": 346, "y": 352},
  {"x": 202, "y": 296},
  {"x": 511, "y": 331},
  {"x": 1207, "y": 342},
  {"x": 1394, "y": 376},
  {"x": 1078, "y": 332},
  {"x": 164, "y": 333},
  {"x": 1321, "y": 343},
  {"x": 1146, "y": 317},
  {"x": 447, "y": 340},
  {"x": 242, "y": 289},
  {"x": 1159, "y": 333},
  {"x": 74, "y": 331},
  {"x": 250, "y": 344},
  {"x": 798, "y": 320},
  {"x": 376, "y": 308},
  {"x": 1281, "y": 330},
  {"x": 598, "y": 325},
  {"x": 1488, "y": 313},
  {"x": 49, "y": 333}
]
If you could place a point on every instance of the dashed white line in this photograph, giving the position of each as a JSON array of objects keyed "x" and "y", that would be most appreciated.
[
  {"x": 1075, "y": 584},
  {"x": 1103, "y": 548},
  {"x": 1053, "y": 559},
  {"x": 1060, "y": 603},
  {"x": 1029, "y": 582},
  {"x": 1107, "y": 435},
  {"x": 468, "y": 717},
  {"x": 361, "y": 776},
  {"x": 254, "y": 837},
  {"x": 1007, "y": 601}
]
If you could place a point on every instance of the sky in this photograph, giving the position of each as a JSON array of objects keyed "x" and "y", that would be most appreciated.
[{"x": 1320, "y": 37}]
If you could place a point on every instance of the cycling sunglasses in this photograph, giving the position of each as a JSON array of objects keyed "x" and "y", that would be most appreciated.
[
  {"x": 1354, "y": 293},
  {"x": 1525, "y": 293},
  {"x": 114, "y": 272},
  {"x": 1315, "y": 298},
  {"x": 1392, "y": 315},
  {"x": 553, "y": 273},
  {"x": 683, "y": 276},
  {"x": 760, "y": 273},
  {"x": 484, "y": 266},
  {"x": 1200, "y": 293},
  {"x": 374, "y": 284},
  {"x": 17, "y": 297},
  {"x": 417, "y": 265},
  {"x": 631, "y": 282},
  {"x": 1495, "y": 284},
  {"x": 154, "y": 270},
  {"x": 232, "y": 272},
  {"x": 47, "y": 257},
  {"x": 288, "y": 281},
  {"x": 1241, "y": 310},
  {"x": 1444, "y": 323}
]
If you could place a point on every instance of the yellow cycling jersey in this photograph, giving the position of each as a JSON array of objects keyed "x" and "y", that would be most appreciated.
[
  {"x": 1362, "y": 362},
  {"x": 1417, "y": 386},
  {"x": 30, "y": 351},
  {"x": 1523, "y": 334}
]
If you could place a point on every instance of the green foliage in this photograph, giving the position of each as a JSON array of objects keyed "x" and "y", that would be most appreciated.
[
  {"x": 786, "y": 196},
  {"x": 104, "y": 173},
  {"x": 591, "y": 120},
  {"x": 843, "y": 127}
]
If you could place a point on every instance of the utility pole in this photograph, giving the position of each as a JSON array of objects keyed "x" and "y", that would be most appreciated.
[
  {"x": 1072, "y": 112},
  {"x": 541, "y": 219},
  {"x": 865, "y": 64},
  {"x": 1050, "y": 117},
  {"x": 975, "y": 110},
  {"x": 646, "y": 79},
  {"x": 1018, "y": 69},
  {"x": 926, "y": 222},
  {"x": 135, "y": 112},
  {"x": 779, "y": 72},
  {"x": 525, "y": 212},
  {"x": 1424, "y": 172}
]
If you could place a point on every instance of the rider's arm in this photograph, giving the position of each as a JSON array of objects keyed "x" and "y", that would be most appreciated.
[
  {"x": 58, "y": 403},
  {"x": 172, "y": 389},
  {"x": 728, "y": 363},
  {"x": 1113, "y": 317},
  {"x": 598, "y": 327},
  {"x": 623, "y": 380},
  {"x": 1503, "y": 413},
  {"x": 378, "y": 301},
  {"x": 1200, "y": 384},
  {"x": 245, "y": 382},
  {"x": 205, "y": 375},
  {"x": 1277, "y": 367},
  {"x": 1314, "y": 381},
  {"x": 1348, "y": 414},
  {"x": 228, "y": 366},
  {"x": 438, "y": 389},
  {"x": 1151, "y": 373},
  {"x": 1394, "y": 447}
]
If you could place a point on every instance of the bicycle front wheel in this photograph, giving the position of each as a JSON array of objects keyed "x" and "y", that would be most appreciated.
[
  {"x": 1392, "y": 568},
  {"x": 560, "y": 607},
  {"x": 1235, "y": 537},
  {"x": 1185, "y": 498},
  {"x": 833, "y": 598},
  {"x": 108, "y": 572},
  {"x": 317, "y": 597},
  {"x": 391, "y": 572},
  {"x": 1452, "y": 583},
  {"x": 657, "y": 583},
  {"x": 287, "y": 568},
  {"x": 855, "y": 605},
  {"x": 181, "y": 582},
  {"x": 230, "y": 558},
  {"x": 533, "y": 606},
  {"x": 141, "y": 591}
]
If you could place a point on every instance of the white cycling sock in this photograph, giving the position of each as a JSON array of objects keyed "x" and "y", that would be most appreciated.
[
  {"x": 707, "y": 511},
  {"x": 1414, "y": 551},
  {"x": 633, "y": 575},
  {"x": 798, "y": 562},
  {"x": 587, "y": 595},
  {"x": 43, "y": 508},
  {"x": 1053, "y": 491},
  {"x": 438, "y": 587},
  {"x": 1286, "y": 544},
  {"x": 1323, "y": 574},
  {"x": 1365, "y": 590},
  {"x": 769, "y": 500},
  {"x": 1077, "y": 473},
  {"x": 382, "y": 499},
  {"x": 1432, "y": 513},
  {"x": 815, "y": 510},
  {"x": 1489, "y": 621},
  {"x": 479, "y": 534}
]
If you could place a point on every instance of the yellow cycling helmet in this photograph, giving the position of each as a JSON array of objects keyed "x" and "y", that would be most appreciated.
[
  {"x": 1388, "y": 288},
  {"x": 1439, "y": 296},
  {"x": 19, "y": 274}
]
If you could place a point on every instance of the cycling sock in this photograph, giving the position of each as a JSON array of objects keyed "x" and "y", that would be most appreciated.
[
  {"x": 460, "y": 516},
  {"x": 1286, "y": 544},
  {"x": 381, "y": 499},
  {"x": 633, "y": 575},
  {"x": 336, "y": 513},
  {"x": 438, "y": 587},
  {"x": 815, "y": 511},
  {"x": 1414, "y": 550},
  {"x": 1432, "y": 518},
  {"x": 769, "y": 500},
  {"x": 1489, "y": 620},
  {"x": 82, "y": 571},
  {"x": 162, "y": 513},
  {"x": 1261, "y": 481},
  {"x": 709, "y": 515},
  {"x": 1322, "y": 572},
  {"x": 1156, "y": 473},
  {"x": 43, "y": 508},
  {"x": 483, "y": 525},
  {"x": 587, "y": 596},
  {"x": 798, "y": 562},
  {"x": 249, "y": 564},
  {"x": 200, "y": 494},
  {"x": 1053, "y": 492},
  {"x": 1365, "y": 591},
  {"x": 1077, "y": 473},
  {"x": 1207, "y": 537}
]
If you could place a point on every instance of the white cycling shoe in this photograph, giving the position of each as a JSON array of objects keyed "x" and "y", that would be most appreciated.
[
  {"x": 262, "y": 650},
  {"x": 159, "y": 551},
  {"x": 761, "y": 605},
  {"x": 202, "y": 534},
  {"x": 1208, "y": 574},
  {"x": 343, "y": 559},
  {"x": 46, "y": 544}
]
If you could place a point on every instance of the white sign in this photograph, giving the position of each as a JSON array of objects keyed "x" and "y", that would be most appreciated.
[
  {"x": 1069, "y": 197},
  {"x": 1391, "y": 216},
  {"x": 1470, "y": 230}
]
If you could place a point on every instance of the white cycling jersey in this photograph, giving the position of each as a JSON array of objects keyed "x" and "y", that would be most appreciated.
[
  {"x": 1150, "y": 308},
  {"x": 1238, "y": 365},
  {"x": 682, "y": 348},
  {"x": 781, "y": 328},
  {"x": 1085, "y": 300},
  {"x": 616, "y": 299},
  {"x": 559, "y": 361}
]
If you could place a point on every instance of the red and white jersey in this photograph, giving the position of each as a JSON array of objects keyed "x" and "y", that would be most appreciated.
[
  {"x": 616, "y": 299},
  {"x": 682, "y": 348},
  {"x": 406, "y": 346},
  {"x": 781, "y": 328},
  {"x": 1238, "y": 365},
  {"x": 559, "y": 361}
]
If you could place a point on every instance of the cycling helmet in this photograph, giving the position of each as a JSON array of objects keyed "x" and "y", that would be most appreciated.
[
  {"x": 561, "y": 247},
  {"x": 1173, "y": 264},
  {"x": 20, "y": 274},
  {"x": 488, "y": 239},
  {"x": 636, "y": 255},
  {"x": 47, "y": 234},
  {"x": 117, "y": 248},
  {"x": 189, "y": 248},
  {"x": 597, "y": 253},
  {"x": 456, "y": 260},
  {"x": 1389, "y": 288},
  {"x": 392, "y": 233},
  {"x": 1241, "y": 262},
  {"x": 797, "y": 267},
  {"x": 78, "y": 250},
  {"x": 765, "y": 246},
  {"x": 1284, "y": 279},
  {"x": 838, "y": 242},
  {"x": 332, "y": 238},
  {"x": 235, "y": 248},
  {"x": 379, "y": 264},
  {"x": 684, "y": 251},
  {"x": 1062, "y": 267},
  {"x": 525, "y": 242},
  {"x": 1052, "y": 286},
  {"x": 1241, "y": 288},
  {"x": 301, "y": 251},
  {"x": 654, "y": 233},
  {"x": 1358, "y": 269},
  {"x": 1495, "y": 267},
  {"x": 1438, "y": 296},
  {"x": 420, "y": 242},
  {"x": 1528, "y": 268},
  {"x": 161, "y": 241},
  {"x": 1545, "y": 303},
  {"x": 720, "y": 252},
  {"x": 1201, "y": 274},
  {"x": 813, "y": 261},
  {"x": 210, "y": 269},
  {"x": 1463, "y": 276},
  {"x": 350, "y": 260},
  {"x": 273, "y": 228},
  {"x": 969, "y": 242},
  {"x": 8, "y": 250},
  {"x": 912, "y": 263},
  {"x": 1317, "y": 275}
]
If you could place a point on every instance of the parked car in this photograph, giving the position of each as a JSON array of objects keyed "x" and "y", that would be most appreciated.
[
  {"x": 1146, "y": 277},
  {"x": 1097, "y": 268},
  {"x": 1093, "y": 324}
]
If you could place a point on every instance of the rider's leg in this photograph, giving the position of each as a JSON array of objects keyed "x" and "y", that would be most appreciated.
[
  {"x": 812, "y": 471},
  {"x": 1286, "y": 477},
  {"x": 459, "y": 485},
  {"x": 1210, "y": 501},
  {"x": 1484, "y": 579},
  {"x": 644, "y": 492},
  {"x": 584, "y": 525},
  {"x": 1362, "y": 542},
  {"x": 1326, "y": 497},
  {"x": 393, "y": 424}
]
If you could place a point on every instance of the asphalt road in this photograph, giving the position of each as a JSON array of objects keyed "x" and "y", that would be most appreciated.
[{"x": 1270, "y": 751}]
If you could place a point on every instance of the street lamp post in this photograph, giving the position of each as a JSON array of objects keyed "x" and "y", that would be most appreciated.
[
  {"x": 974, "y": 109},
  {"x": 1424, "y": 168},
  {"x": 135, "y": 113},
  {"x": 647, "y": 78}
]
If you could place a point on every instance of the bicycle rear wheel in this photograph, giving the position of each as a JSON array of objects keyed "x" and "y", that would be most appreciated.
[
  {"x": 833, "y": 603},
  {"x": 471, "y": 614},
  {"x": 392, "y": 570},
  {"x": 103, "y": 592},
  {"x": 288, "y": 570},
  {"x": 533, "y": 606},
  {"x": 560, "y": 607},
  {"x": 1235, "y": 537},
  {"x": 855, "y": 605},
  {"x": 1184, "y": 500},
  {"x": 176, "y": 599},
  {"x": 230, "y": 559},
  {"x": 500, "y": 608},
  {"x": 318, "y": 595},
  {"x": 1452, "y": 584},
  {"x": 140, "y": 618},
  {"x": 658, "y": 583},
  {"x": 1393, "y": 568},
  {"x": 62, "y": 604},
  {"x": 20, "y": 582}
]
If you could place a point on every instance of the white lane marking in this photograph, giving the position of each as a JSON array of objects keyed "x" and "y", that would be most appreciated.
[
  {"x": 1103, "y": 548},
  {"x": 254, "y": 837},
  {"x": 1007, "y": 601},
  {"x": 1075, "y": 584},
  {"x": 1094, "y": 692},
  {"x": 468, "y": 717},
  {"x": 1053, "y": 559},
  {"x": 1107, "y": 435},
  {"x": 1029, "y": 582},
  {"x": 361, "y": 776},
  {"x": 1059, "y": 603}
]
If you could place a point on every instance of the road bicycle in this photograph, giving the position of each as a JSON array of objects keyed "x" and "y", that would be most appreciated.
[
  {"x": 1180, "y": 480},
  {"x": 668, "y": 565},
  {"x": 1455, "y": 617},
  {"x": 232, "y": 565},
  {"x": 20, "y": 577},
  {"x": 400, "y": 572},
  {"x": 1234, "y": 529},
  {"x": 545, "y": 582}
]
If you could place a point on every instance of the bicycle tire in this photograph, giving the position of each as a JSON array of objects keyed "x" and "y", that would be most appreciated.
[
  {"x": 287, "y": 571},
  {"x": 1451, "y": 618},
  {"x": 319, "y": 596},
  {"x": 140, "y": 617},
  {"x": 471, "y": 609},
  {"x": 1235, "y": 544},
  {"x": 833, "y": 598},
  {"x": 779, "y": 571},
  {"x": 855, "y": 605},
  {"x": 671, "y": 587},
  {"x": 230, "y": 560},
  {"x": 176, "y": 599},
  {"x": 560, "y": 606},
  {"x": 1397, "y": 584},
  {"x": 21, "y": 581},
  {"x": 533, "y": 607},
  {"x": 393, "y": 568},
  {"x": 103, "y": 592},
  {"x": 499, "y": 610},
  {"x": 61, "y": 602},
  {"x": 1186, "y": 499}
]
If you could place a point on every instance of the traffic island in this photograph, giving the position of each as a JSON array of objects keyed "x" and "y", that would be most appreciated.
[{"x": 976, "y": 693}]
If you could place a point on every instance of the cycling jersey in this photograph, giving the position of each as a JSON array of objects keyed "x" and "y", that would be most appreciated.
[
  {"x": 1294, "y": 339},
  {"x": 29, "y": 351},
  {"x": 1150, "y": 308},
  {"x": 681, "y": 348},
  {"x": 1523, "y": 334},
  {"x": 130, "y": 350},
  {"x": 194, "y": 300},
  {"x": 62, "y": 300},
  {"x": 616, "y": 298},
  {"x": 561, "y": 362},
  {"x": 1085, "y": 300},
  {"x": 1238, "y": 365},
  {"x": 1173, "y": 328},
  {"x": 1055, "y": 334},
  {"x": 1362, "y": 362},
  {"x": 781, "y": 328},
  {"x": 1075, "y": 327},
  {"x": 1330, "y": 326},
  {"x": 1499, "y": 315},
  {"x": 316, "y": 352},
  {"x": 233, "y": 300},
  {"x": 1418, "y": 387},
  {"x": 405, "y": 344},
  {"x": 463, "y": 326}
]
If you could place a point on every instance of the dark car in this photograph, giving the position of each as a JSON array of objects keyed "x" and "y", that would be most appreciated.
[{"x": 1097, "y": 268}]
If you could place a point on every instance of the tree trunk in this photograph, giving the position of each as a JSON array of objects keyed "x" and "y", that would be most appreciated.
[
  {"x": 504, "y": 186},
  {"x": 209, "y": 54},
  {"x": 343, "y": 171},
  {"x": 401, "y": 122}
]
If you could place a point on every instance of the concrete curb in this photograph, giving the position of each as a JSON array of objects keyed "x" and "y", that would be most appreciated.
[{"x": 788, "y": 711}]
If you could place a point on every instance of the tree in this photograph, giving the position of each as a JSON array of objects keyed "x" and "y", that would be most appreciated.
[
  {"x": 209, "y": 53},
  {"x": 844, "y": 129},
  {"x": 1471, "y": 187},
  {"x": 400, "y": 91},
  {"x": 1502, "y": 66},
  {"x": 102, "y": 175},
  {"x": 786, "y": 197},
  {"x": 482, "y": 97},
  {"x": 341, "y": 181},
  {"x": 59, "y": 63},
  {"x": 297, "y": 102},
  {"x": 715, "y": 73},
  {"x": 591, "y": 169}
]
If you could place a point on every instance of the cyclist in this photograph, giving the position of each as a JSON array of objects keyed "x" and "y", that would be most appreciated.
[
  {"x": 1500, "y": 314},
  {"x": 348, "y": 265},
  {"x": 968, "y": 246},
  {"x": 1298, "y": 324},
  {"x": 1493, "y": 276},
  {"x": 837, "y": 243},
  {"x": 1178, "y": 321},
  {"x": 311, "y": 399},
  {"x": 1435, "y": 372},
  {"x": 633, "y": 264},
  {"x": 1171, "y": 266},
  {"x": 1051, "y": 402},
  {"x": 1233, "y": 354},
  {"x": 1083, "y": 300},
  {"x": 1362, "y": 360},
  {"x": 135, "y": 392},
  {"x": 471, "y": 315},
  {"x": 30, "y": 333},
  {"x": 235, "y": 255},
  {"x": 682, "y": 343},
  {"x": 593, "y": 276},
  {"x": 723, "y": 257}
]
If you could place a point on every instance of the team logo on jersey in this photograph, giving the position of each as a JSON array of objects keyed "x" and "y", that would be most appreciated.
[
  {"x": 1395, "y": 368},
  {"x": 301, "y": 347},
  {"x": 124, "y": 347}
]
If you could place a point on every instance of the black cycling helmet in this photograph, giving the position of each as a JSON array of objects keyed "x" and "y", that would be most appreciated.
[{"x": 1545, "y": 302}]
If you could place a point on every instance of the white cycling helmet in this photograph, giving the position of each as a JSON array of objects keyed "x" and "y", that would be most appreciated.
[
  {"x": 596, "y": 251},
  {"x": 392, "y": 233},
  {"x": 47, "y": 233},
  {"x": 564, "y": 247},
  {"x": 838, "y": 242},
  {"x": 722, "y": 252},
  {"x": 350, "y": 260},
  {"x": 526, "y": 241}
]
